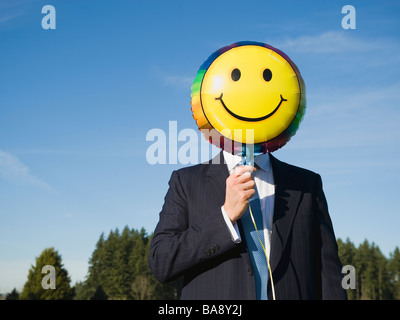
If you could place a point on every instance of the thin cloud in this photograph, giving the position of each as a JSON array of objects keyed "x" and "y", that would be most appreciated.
[
  {"x": 360, "y": 118},
  {"x": 178, "y": 81},
  {"x": 173, "y": 80},
  {"x": 5, "y": 18},
  {"x": 12, "y": 169},
  {"x": 13, "y": 9},
  {"x": 328, "y": 42}
]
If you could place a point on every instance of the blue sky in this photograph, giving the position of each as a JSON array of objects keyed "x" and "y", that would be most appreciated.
[{"x": 77, "y": 102}]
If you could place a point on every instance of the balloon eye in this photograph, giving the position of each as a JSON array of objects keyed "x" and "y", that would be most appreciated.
[
  {"x": 235, "y": 74},
  {"x": 267, "y": 75}
]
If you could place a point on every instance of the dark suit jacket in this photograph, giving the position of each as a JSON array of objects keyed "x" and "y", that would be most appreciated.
[{"x": 192, "y": 240}]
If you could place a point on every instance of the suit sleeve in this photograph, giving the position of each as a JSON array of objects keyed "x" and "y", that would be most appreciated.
[
  {"x": 178, "y": 244},
  {"x": 330, "y": 276}
]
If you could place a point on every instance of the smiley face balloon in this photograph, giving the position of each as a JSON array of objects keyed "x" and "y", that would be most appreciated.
[{"x": 248, "y": 93}]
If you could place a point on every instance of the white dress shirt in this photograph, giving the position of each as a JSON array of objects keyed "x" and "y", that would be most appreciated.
[{"x": 265, "y": 187}]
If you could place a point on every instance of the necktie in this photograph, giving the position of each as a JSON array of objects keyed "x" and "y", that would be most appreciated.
[{"x": 257, "y": 256}]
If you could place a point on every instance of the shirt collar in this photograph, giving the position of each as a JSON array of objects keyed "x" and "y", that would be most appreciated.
[{"x": 263, "y": 161}]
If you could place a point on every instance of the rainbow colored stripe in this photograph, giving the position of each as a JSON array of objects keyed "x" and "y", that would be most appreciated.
[{"x": 267, "y": 146}]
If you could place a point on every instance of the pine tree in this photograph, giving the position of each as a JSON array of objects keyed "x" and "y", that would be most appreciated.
[
  {"x": 361, "y": 258},
  {"x": 384, "y": 283},
  {"x": 126, "y": 275},
  {"x": 394, "y": 269},
  {"x": 118, "y": 269},
  {"x": 34, "y": 288},
  {"x": 92, "y": 285},
  {"x": 13, "y": 295},
  {"x": 347, "y": 252},
  {"x": 110, "y": 282},
  {"x": 373, "y": 272},
  {"x": 377, "y": 277}
]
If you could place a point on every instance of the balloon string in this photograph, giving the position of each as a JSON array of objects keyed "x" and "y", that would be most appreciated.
[{"x": 265, "y": 252}]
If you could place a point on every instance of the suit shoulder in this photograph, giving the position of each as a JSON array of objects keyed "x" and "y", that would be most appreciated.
[
  {"x": 298, "y": 170},
  {"x": 295, "y": 175},
  {"x": 192, "y": 170},
  {"x": 190, "y": 174}
]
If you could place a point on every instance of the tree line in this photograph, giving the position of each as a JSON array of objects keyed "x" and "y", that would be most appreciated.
[
  {"x": 118, "y": 270},
  {"x": 377, "y": 277}
]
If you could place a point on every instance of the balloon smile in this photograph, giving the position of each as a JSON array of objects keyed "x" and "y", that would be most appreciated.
[{"x": 246, "y": 118}]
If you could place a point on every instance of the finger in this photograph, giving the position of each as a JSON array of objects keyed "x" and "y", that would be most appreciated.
[
  {"x": 249, "y": 193},
  {"x": 244, "y": 177},
  {"x": 242, "y": 169},
  {"x": 249, "y": 185}
]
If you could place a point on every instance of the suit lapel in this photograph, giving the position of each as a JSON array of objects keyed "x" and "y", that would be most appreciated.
[
  {"x": 216, "y": 178},
  {"x": 285, "y": 206},
  {"x": 285, "y": 209}
]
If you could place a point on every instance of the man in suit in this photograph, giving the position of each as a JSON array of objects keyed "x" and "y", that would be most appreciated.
[{"x": 201, "y": 234}]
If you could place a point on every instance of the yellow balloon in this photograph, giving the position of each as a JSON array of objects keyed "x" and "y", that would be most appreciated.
[{"x": 250, "y": 93}]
